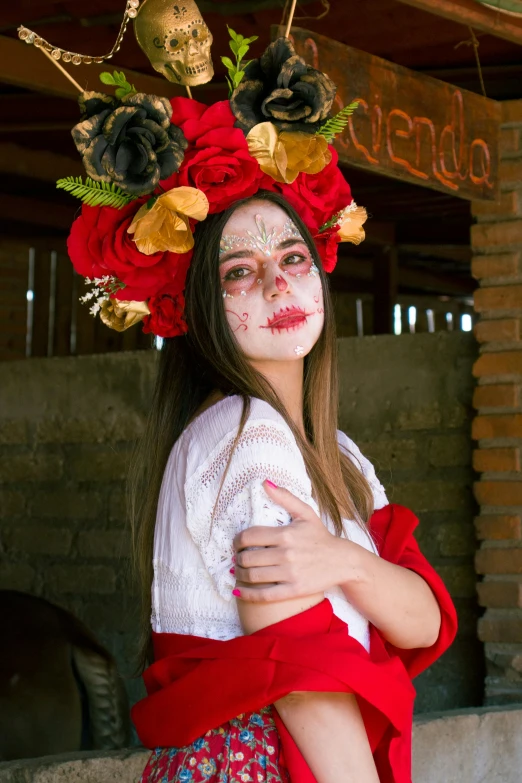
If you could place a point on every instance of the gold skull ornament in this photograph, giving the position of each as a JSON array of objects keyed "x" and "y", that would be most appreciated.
[{"x": 176, "y": 40}]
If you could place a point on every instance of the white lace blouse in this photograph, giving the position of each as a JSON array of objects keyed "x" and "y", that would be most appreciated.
[{"x": 192, "y": 586}]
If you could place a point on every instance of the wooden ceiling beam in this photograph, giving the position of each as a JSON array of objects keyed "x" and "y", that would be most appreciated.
[
  {"x": 37, "y": 164},
  {"x": 24, "y": 66},
  {"x": 36, "y": 212},
  {"x": 469, "y": 12}
]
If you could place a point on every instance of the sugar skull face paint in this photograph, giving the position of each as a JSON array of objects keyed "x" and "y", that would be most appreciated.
[{"x": 272, "y": 291}]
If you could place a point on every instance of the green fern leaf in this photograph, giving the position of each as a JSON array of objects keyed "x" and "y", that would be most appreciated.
[
  {"x": 95, "y": 194},
  {"x": 336, "y": 125}
]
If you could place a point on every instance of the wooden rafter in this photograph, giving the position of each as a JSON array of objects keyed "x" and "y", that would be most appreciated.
[
  {"x": 37, "y": 164},
  {"x": 469, "y": 12},
  {"x": 24, "y": 66}
]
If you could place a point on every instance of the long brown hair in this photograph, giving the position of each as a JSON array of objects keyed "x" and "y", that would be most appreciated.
[{"x": 208, "y": 359}]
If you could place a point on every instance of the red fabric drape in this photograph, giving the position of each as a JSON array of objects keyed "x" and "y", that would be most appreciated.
[{"x": 197, "y": 684}]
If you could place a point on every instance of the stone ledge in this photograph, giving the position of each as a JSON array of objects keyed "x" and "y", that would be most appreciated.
[{"x": 461, "y": 746}]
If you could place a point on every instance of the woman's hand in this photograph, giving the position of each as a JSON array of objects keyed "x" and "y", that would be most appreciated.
[{"x": 296, "y": 560}]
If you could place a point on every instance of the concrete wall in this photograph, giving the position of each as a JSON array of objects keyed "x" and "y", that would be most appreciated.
[
  {"x": 465, "y": 747},
  {"x": 67, "y": 427}
]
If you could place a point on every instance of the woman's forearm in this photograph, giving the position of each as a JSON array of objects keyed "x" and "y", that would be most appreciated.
[
  {"x": 329, "y": 731},
  {"x": 394, "y": 599}
]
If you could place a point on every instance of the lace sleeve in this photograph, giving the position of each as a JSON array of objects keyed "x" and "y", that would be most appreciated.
[
  {"x": 366, "y": 468},
  {"x": 266, "y": 450}
]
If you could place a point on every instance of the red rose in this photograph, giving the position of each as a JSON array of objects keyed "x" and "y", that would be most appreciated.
[
  {"x": 217, "y": 160},
  {"x": 326, "y": 243},
  {"x": 321, "y": 195},
  {"x": 166, "y": 315},
  {"x": 100, "y": 245}
]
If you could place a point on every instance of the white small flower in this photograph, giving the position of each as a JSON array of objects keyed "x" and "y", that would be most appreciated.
[{"x": 94, "y": 309}]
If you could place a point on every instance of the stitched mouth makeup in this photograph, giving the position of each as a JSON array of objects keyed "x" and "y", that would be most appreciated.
[{"x": 289, "y": 318}]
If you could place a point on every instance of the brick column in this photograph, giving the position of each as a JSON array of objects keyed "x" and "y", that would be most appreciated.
[{"x": 497, "y": 264}]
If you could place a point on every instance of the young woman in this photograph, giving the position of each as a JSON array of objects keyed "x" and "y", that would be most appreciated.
[{"x": 250, "y": 509}]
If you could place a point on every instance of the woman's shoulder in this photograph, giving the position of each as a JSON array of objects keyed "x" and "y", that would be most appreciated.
[
  {"x": 215, "y": 429},
  {"x": 365, "y": 466}
]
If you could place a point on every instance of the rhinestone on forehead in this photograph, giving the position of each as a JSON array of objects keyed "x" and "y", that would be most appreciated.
[{"x": 265, "y": 241}]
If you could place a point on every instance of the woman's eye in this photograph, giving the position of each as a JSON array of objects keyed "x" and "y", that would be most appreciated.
[
  {"x": 237, "y": 274},
  {"x": 295, "y": 258}
]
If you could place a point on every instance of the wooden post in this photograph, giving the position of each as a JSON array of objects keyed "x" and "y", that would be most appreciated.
[{"x": 385, "y": 278}]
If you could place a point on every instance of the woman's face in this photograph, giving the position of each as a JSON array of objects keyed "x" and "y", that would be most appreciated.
[{"x": 271, "y": 288}]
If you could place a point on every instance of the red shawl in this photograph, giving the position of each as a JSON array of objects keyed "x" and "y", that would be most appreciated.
[{"x": 197, "y": 684}]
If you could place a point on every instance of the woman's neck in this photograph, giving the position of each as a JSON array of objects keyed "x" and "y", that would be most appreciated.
[{"x": 287, "y": 380}]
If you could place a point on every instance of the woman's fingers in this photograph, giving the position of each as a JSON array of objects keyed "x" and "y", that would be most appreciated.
[
  {"x": 260, "y": 535},
  {"x": 256, "y": 576},
  {"x": 254, "y": 558},
  {"x": 265, "y": 595},
  {"x": 283, "y": 497}
]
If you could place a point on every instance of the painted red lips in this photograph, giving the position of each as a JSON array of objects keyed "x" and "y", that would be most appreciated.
[{"x": 287, "y": 318}]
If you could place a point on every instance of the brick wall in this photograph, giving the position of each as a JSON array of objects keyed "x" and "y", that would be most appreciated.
[
  {"x": 406, "y": 401},
  {"x": 497, "y": 264},
  {"x": 66, "y": 430}
]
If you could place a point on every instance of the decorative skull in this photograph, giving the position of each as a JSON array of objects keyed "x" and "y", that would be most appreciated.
[{"x": 176, "y": 40}]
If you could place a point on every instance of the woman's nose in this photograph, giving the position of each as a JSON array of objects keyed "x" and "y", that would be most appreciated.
[{"x": 276, "y": 284}]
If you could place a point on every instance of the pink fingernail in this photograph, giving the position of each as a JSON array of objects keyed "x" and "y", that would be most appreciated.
[
  {"x": 236, "y": 592},
  {"x": 232, "y": 570},
  {"x": 271, "y": 484}
]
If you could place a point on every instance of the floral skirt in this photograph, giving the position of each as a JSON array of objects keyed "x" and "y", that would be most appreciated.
[{"x": 244, "y": 749}]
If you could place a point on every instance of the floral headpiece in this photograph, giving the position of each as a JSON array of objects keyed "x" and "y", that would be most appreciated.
[{"x": 157, "y": 167}]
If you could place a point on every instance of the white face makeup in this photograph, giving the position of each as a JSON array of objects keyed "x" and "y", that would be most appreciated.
[{"x": 272, "y": 290}]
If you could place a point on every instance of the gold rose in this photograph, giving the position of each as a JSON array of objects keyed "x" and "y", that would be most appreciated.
[
  {"x": 165, "y": 226},
  {"x": 283, "y": 155}
]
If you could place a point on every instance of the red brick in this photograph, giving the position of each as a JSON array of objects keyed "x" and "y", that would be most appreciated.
[
  {"x": 11, "y": 503},
  {"x": 510, "y": 170},
  {"x": 508, "y": 206},
  {"x": 505, "y": 232},
  {"x": 509, "y": 140},
  {"x": 13, "y": 431},
  {"x": 499, "y": 493},
  {"x": 499, "y": 297},
  {"x": 499, "y": 561},
  {"x": 100, "y": 466},
  {"x": 104, "y": 543},
  {"x": 501, "y": 363},
  {"x": 506, "y": 626},
  {"x": 496, "y": 396},
  {"x": 503, "y": 329},
  {"x": 496, "y": 460},
  {"x": 16, "y": 576},
  {"x": 500, "y": 594},
  {"x": 31, "y": 467},
  {"x": 80, "y": 579},
  {"x": 511, "y": 111},
  {"x": 498, "y": 528},
  {"x": 500, "y": 426},
  {"x": 39, "y": 540}
]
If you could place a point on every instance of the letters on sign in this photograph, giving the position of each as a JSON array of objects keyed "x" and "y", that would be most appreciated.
[{"x": 408, "y": 125}]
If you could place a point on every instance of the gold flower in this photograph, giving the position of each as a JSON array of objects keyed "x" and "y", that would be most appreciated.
[
  {"x": 283, "y": 155},
  {"x": 351, "y": 224},
  {"x": 121, "y": 315},
  {"x": 165, "y": 225}
]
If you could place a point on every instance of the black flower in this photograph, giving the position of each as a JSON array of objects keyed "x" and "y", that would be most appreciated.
[
  {"x": 128, "y": 141},
  {"x": 281, "y": 88}
]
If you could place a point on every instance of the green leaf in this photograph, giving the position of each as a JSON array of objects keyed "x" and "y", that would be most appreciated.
[
  {"x": 251, "y": 40},
  {"x": 230, "y": 86},
  {"x": 232, "y": 34},
  {"x": 227, "y": 62},
  {"x": 236, "y": 78},
  {"x": 242, "y": 51},
  {"x": 107, "y": 78},
  {"x": 234, "y": 47},
  {"x": 95, "y": 194},
  {"x": 336, "y": 125}
]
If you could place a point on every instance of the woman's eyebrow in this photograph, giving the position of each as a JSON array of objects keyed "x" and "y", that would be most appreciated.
[
  {"x": 289, "y": 242},
  {"x": 235, "y": 254}
]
